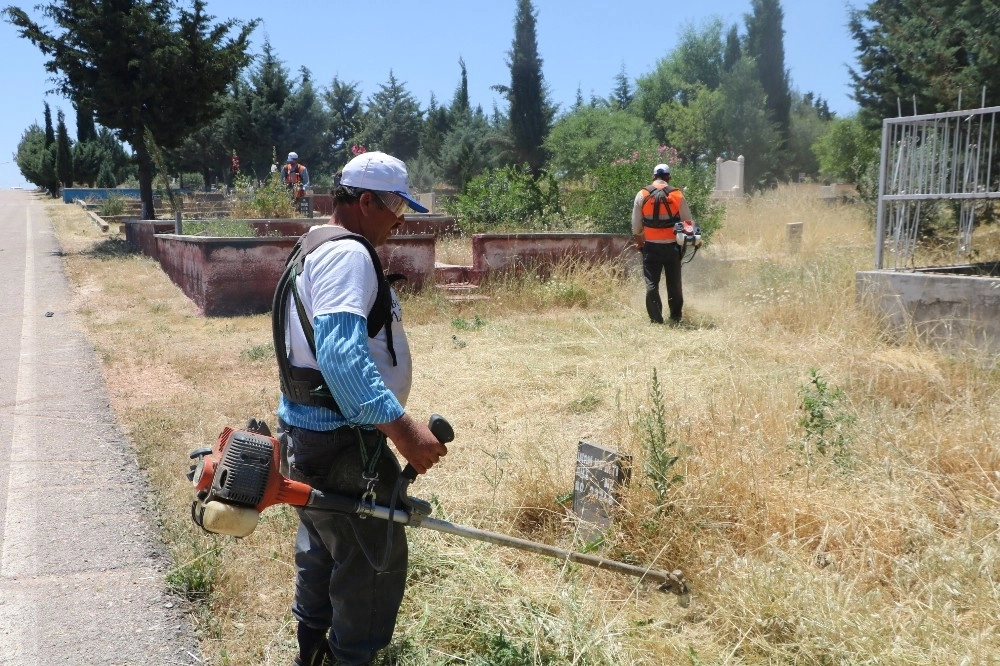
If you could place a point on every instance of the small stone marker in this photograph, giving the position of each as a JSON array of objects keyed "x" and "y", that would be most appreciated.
[
  {"x": 600, "y": 475},
  {"x": 793, "y": 235}
]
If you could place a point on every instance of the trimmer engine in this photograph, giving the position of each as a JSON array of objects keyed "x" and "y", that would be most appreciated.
[
  {"x": 687, "y": 234},
  {"x": 238, "y": 478}
]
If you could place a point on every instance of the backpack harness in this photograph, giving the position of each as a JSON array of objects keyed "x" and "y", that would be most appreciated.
[
  {"x": 293, "y": 173},
  {"x": 651, "y": 213},
  {"x": 306, "y": 385}
]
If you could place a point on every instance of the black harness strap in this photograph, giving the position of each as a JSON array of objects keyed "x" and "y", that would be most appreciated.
[
  {"x": 660, "y": 197},
  {"x": 307, "y": 385}
]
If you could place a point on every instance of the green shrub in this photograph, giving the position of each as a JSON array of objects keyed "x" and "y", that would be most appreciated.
[
  {"x": 611, "y": 188},
  {"x": 114, "y": 204},
  {"x": 508, "y": 198},
  {"x": 267, "y": 200},
  {"x": 219, "y": 228}
]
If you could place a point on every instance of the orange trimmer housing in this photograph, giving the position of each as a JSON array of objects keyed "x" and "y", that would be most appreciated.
[{"x": 243, "y": 468}]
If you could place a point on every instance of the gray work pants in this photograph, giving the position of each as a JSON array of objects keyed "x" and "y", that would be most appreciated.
[{"x": 337, "y": 584}]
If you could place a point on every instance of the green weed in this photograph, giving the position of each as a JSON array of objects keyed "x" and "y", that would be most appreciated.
[
  {"x": 501, "y": 651},
  {"x": 660, "y": 453},
  {"x": 825, "y": 422},
  {"x": 463, "y": 325},
  {"x": 195, "y": 579},
  {"x": 261, "y": 352}
]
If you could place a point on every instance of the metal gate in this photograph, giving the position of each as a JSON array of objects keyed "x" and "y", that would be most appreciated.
[{"x": 926, "y": 158}]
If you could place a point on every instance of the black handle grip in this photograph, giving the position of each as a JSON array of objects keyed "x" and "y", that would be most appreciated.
[{"x": 442, "y": 430}]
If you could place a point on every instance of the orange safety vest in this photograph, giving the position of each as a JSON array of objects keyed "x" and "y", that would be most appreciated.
[
  {"x": 292, "y": 174},
  {"x": 661, "y": 211},
  {"x": 292, "y": 178}
]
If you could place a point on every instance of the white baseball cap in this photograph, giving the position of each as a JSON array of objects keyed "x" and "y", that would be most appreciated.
[
  {"x": 382, "y": 173},
  {"x": 661, "y": 168},
  {"x": 293, "y": 156}
]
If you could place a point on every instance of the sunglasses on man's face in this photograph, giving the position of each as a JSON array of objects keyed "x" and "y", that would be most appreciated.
[{"x": 396, "y": 204}]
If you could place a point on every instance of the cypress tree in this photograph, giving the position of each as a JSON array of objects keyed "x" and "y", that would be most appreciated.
[
  {"x": 64, "y": 154},
  {"x": 733, "y": 51},
  {"x": 50, "y": 134},
  {"x": 765, "y": 44},
  {"x": 531, "y": 113}
]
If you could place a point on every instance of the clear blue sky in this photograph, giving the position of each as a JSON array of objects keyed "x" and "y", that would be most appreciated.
[{"x": 583, "y": 46}]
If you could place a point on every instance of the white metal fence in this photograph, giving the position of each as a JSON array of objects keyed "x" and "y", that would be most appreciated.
[{"x": 926, "y": 158}]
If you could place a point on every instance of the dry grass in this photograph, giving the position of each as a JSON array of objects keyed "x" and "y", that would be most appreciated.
[{"x": 887, "y": 556}]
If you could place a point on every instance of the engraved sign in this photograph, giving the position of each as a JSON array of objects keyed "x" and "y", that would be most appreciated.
[{"x": 600, "y": 475}]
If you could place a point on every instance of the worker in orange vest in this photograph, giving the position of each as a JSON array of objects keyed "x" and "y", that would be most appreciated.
[
  {"x": 295, "y": 176},
  {"x": 655, "y": 211}
]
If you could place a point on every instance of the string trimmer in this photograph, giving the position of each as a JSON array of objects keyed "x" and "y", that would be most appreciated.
[{"x": 240, "y": 476}]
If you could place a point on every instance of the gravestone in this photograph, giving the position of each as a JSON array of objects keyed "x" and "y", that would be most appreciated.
[
  {"x": 793, "y": 237},
  {"x": 600, "y": 475},
  {"x": 428, "y": 200},
  {"x": 728, "y": 178},
  {"x": 304, "y": 206}
]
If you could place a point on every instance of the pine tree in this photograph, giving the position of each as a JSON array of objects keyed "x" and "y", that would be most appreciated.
[
  {"x": 343, "y": 107},
  {"x": 621, "y": 96},
  {"x": 924, "y": 54},
  {"x": 147, "y": 68},
  {"x": 393, "y": 120}
]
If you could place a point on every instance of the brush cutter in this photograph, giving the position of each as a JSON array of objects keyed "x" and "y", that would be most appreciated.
[
  {"x": 687, "y": 235},
  {"x": 240, "y": 476}
]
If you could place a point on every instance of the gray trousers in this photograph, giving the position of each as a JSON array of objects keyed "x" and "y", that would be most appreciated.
[{"x": 338, "y": 584}]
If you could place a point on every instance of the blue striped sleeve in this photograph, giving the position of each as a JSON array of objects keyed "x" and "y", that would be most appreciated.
[{"x": 350, "y": 372}]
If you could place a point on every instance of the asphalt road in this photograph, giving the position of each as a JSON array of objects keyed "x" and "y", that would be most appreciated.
[{"x": 81, "y": 562}]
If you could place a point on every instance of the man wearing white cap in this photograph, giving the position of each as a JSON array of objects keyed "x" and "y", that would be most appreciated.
[
  {"x": 295, "y": 176},
  {"x": 345, "y": 374},
  {"x": 655, "y": 211}
]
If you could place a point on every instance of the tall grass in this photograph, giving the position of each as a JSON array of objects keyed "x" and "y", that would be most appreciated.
[{"x": 892, "y": 559}]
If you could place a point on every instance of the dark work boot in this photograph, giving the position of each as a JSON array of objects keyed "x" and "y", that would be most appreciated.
[{"x": 313, "y": 648}]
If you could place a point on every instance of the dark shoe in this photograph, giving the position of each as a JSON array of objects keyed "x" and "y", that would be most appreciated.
[{"x": 313, "y": 647}]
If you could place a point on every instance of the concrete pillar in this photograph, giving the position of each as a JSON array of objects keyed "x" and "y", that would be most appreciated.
[{"x": 793, "y": 237}]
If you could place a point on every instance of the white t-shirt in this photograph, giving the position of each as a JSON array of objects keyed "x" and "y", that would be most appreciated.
[{"x": 339, "y": 276}]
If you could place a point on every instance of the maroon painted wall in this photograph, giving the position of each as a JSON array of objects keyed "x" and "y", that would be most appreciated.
[
  {"x": 426, "y": 223},
  {"x": 498, "y": 252},
  {"x": 140, "y": 234},
  {"x": 236, "y": 276}
]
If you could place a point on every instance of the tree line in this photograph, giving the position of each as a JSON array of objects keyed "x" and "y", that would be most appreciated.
[{"x": 191, "y": 94}]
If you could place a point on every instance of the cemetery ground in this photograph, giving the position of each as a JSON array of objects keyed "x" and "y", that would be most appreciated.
[{"x": 830, "y": 491}]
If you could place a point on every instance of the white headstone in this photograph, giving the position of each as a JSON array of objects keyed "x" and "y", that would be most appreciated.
[{"x": 728, "y": 178}]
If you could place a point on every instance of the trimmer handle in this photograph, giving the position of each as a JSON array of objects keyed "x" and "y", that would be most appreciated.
[{"x": 442, "y": 430}]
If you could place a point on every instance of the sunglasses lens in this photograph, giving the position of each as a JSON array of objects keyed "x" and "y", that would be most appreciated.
[{"x": 396, "y": 204}]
